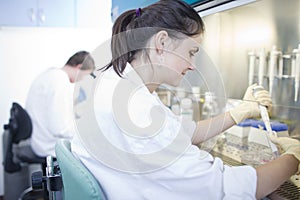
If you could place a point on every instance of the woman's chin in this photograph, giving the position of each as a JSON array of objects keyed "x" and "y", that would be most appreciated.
[{"x": 175, "y": 82}]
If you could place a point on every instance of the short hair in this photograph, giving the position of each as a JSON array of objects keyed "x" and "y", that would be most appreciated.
[{"x": 84, "y": 58}]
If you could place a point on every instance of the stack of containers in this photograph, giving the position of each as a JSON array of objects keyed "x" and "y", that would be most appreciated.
[{"x": 256, "y": 131}]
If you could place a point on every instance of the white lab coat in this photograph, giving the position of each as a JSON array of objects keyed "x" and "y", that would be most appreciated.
[
  {"x": 175, "y": 169},
  {"x": 50, "y": 105}
]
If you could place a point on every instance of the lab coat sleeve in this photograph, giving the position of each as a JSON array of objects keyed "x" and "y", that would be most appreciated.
[
  {"x": 60, "y": 115},
  {"x": 239, "y": 182},
  {"x": 189, "y": 128}
]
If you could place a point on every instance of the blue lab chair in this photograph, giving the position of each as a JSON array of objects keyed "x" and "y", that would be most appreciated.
[{"x": 78, "y": 182}]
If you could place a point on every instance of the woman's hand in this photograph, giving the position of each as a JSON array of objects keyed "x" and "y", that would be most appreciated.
[{"x": 254, "y": 96}]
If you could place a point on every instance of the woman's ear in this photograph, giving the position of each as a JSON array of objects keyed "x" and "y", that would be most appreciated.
[
  {"x": 78, "y": 66},
  {"x": 160, "y": 41}
]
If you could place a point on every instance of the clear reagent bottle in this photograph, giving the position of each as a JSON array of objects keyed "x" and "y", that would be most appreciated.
[
  {"x": 210, "y": 106},
  {"x": 186, "y": 109}
]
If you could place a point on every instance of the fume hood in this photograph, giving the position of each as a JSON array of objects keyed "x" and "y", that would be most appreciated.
[{"x": 206, "y": 7}]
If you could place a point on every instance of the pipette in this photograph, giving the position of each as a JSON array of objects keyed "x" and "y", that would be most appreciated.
[
  {"x": 272, "y": 65},
  {"x": 252, "y": 58},
  {"x": 297, "y": 73},
  {"x": 293, "y": 62},
  {"x": 280, "y": 64},
  {"x": 265, "y": 117},
  {"x": 261, "y": 66}
]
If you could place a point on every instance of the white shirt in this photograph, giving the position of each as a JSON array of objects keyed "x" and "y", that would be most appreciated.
[
  {"x": 161, "y": 165},
  {"x": 50, "y": 105}
]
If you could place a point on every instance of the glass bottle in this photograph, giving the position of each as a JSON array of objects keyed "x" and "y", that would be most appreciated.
[
  {"x": 196, "y": 99},
  {"x": 176, "y": 99},
  {"x": 186, "y": 109},
  {"x": 210, "y": 106}
]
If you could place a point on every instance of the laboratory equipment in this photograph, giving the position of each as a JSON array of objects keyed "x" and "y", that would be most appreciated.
[
  {"x": 258, "y": 133},
  {"x": 252, "y": 59},
  {"x": 274, "y": 59},
  {"x": 175, "y": 109},
  {"x": 297, "y": 73},
  {"x": 196, "y": 98},
  {"x": 293, "y": 62},
  {"x": 261, "y": 66},
  {"x": 280, "y": 64},
  {"x": 165, "y": 96},
  {"x": 210, "y": 106},
  {"x": 176, "y": 99},
  {"x": 237, "y": 151},
  {"x": 179, "y": 94},
  {"x": 265, "y": 117},
  {"x": 186, "y": 109},
  {"x": 241, "y": 129}
]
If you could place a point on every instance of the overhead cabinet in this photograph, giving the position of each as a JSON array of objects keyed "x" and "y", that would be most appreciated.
[{"x": 45, "y": 13}]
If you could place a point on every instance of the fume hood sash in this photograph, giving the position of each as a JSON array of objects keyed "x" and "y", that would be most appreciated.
[{"x": 213, "y": 6}]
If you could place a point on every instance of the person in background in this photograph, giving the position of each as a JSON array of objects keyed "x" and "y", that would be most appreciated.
[
  {"x": 159, "y": 46},
  {"x": 50, "y": 103}
]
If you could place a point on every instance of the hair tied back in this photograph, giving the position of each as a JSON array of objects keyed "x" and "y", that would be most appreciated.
[{"x": 138, "y": 12}]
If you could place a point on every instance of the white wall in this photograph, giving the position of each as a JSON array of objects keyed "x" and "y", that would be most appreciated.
[{"x": 26, "y": 52}]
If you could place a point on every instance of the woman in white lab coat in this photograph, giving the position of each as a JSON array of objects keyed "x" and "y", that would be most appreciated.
[{"x": 135, "y": 146}]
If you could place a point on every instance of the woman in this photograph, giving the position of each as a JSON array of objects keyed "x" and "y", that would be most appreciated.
[{"x": 140, "y": 149}]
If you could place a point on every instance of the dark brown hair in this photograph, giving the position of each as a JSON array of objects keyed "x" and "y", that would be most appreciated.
[
  {"x": 133, "y": 29},
  {"x": 84, "y": 58}
]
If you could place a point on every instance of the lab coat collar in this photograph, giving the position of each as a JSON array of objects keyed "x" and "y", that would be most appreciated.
[{"x": 131, "y": 75}]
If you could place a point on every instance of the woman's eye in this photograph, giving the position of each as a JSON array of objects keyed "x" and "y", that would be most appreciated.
[{"x": 192, "y": 54}]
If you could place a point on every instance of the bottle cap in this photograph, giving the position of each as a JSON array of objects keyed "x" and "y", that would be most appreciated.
[
  {"x": 176, "y": 109},
  {"x": 186, "y": 103},
  {"x": 180, "y": 92},
  {"x": 209, "y": 96},
  {"x": 196, "y": 90}
]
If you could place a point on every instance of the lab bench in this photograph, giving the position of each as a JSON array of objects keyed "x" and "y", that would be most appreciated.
[{"x": 237, "y": 151}]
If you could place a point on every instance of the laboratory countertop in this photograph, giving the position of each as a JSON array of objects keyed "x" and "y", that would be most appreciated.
[{"x": 236, "y": 151}]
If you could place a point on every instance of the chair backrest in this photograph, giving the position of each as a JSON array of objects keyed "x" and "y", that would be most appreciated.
[
  {"x": 19, "y": 128},
  {"x": 78, "y": 182},
  {"x": 19, "y": 125}
]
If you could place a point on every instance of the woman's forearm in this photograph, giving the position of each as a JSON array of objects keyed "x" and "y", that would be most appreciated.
[
  {"x": 211, "y": 127},
  {"x": 271, "y": 175}
]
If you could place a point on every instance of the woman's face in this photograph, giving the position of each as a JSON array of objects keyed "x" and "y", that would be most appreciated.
[{"x": 178, "y": 58}]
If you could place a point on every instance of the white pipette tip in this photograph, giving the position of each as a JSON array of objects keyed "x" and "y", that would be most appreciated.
[
  {"x": 274, "y": 133},
  {"x": 265, "y": 117},
  {"x": 296, "y": 94}
]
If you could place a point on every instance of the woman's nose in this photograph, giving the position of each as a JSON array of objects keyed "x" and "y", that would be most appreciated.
[{"x": 191, "y": 67}]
